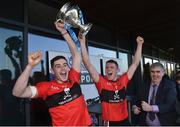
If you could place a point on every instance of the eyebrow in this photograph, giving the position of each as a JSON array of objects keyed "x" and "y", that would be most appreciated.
[{"x": 60, "y": 64}]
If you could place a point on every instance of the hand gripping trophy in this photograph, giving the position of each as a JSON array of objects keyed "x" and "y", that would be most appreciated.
[{"x": 72, "y": 15}]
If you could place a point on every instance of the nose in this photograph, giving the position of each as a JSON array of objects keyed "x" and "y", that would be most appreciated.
[{"x": 62, "y": 68}]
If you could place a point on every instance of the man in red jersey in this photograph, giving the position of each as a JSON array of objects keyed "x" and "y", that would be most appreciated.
[
  {"x": 63, "y": 95},
  {"x": 112, "y": 87}
]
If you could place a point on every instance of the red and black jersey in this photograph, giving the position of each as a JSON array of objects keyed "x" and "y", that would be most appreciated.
[
  {"x": 113, "y": 96},
  {"x": 66, "y": 103}
]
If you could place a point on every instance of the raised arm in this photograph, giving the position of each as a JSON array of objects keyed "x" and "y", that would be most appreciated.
[
  {"x": 85, "y": 57},
  {"x": 137, "y": 57},
  {"x": 21, "y": 88},
  {"x": 75, "y": 54}
]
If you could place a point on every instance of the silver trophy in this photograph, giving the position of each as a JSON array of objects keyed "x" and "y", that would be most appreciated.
[{"x": 71, "y": 15}]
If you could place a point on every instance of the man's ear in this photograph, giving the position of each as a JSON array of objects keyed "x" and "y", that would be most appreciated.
[
  {"x": 164, "y": 72},
  {"x": 51, "y": 71},
  {"x": 118, "y": 70}
]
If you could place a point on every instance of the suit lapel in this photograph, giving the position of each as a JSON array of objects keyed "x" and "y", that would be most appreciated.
[
  {"x": 147, "y": 91},
  {"x": 158, "y": 94}
]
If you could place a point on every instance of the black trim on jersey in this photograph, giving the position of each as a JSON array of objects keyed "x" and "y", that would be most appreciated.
[
  {"x": 110, "y": 96},
  {"x": 62, "y": 98}
]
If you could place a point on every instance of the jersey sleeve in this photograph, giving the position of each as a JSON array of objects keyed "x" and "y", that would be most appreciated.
[
  {"x": 123, "y": 80},
  {"x": 42, "y": 89},
  {"x": 74, "y": 76},
  {"x": 100, "y": 83}
]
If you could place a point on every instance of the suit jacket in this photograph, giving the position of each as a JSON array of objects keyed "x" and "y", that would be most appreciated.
[{"x": 165, "y": 100}]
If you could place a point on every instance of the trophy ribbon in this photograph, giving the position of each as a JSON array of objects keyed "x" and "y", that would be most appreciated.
[{"x": 72, "y": 33}]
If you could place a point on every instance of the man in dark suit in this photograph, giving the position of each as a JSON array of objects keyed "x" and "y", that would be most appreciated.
[{"x": 155, "y": 101}]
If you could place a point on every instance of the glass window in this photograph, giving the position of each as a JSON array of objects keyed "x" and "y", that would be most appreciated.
[
  {"x": 173, "y": 70},
  {"x": 102, "y": 52},
  {"x": 11, "y": 108},
  {"x": 148, "y": 60},
  {"x": 164, "y": 64},
  {"x": 146, "y": 68},
  {"x": 177, "y": 67},
  {"x": 169, "y": 69},
  {"x": 172, "y": 66},
  {"x": 124, "y": 64},
  {"x": 154, "y": 60},
  {"x": 36, "y": 43}
]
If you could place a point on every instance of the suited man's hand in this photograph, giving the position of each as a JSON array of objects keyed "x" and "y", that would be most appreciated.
[
  {"x": 146, "y": 107},
  {"x": 136, "y": 110}
]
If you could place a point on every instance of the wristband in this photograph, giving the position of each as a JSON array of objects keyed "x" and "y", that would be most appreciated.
[
  {"x": 64, "y": 33},
  {"x": 33, "y": 91}
]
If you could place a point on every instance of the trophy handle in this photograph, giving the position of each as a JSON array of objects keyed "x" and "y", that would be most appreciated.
[
  {"x": 85, "y": 29},
  {"x": 65, "y": 7}
]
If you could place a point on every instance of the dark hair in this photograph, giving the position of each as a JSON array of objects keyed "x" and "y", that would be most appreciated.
[
  {"x": 157, "y": 64},
  {"x": 112, "y": 61},
  {"x": 57, "y": 58}
]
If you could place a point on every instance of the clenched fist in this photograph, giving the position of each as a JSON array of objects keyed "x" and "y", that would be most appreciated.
[
  {"x": 146, "y": 107},
  {"x": 34, "y": 58},
  {"x": 139, "y": 40},
  {"x": 60, "y": 27},
  {"x": 136, "y": 110}
]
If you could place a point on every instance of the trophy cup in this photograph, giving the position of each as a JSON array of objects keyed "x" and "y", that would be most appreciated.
[{"x": 73, "y": 16}]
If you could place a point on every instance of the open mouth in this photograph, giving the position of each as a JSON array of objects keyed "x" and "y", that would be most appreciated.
[
  {"x": 63, "y": 75},
  {"x": 109, "y": 73}
]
